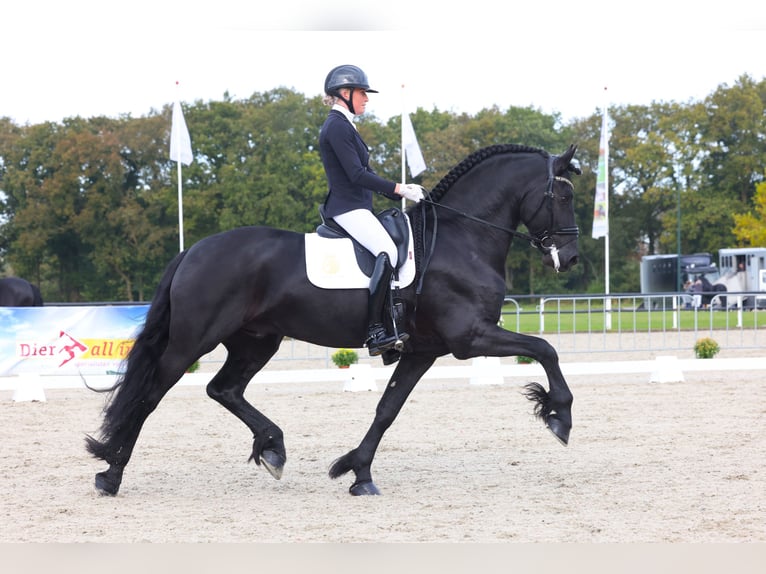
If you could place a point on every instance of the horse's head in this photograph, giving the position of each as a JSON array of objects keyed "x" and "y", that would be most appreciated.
[{"x": 553, "y": 222}]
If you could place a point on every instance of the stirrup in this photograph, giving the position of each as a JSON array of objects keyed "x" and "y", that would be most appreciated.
[
  {"x": 378, "y": 346},
  {"x": 378, "y": 340},
  {"x": 390, "y": 344}
]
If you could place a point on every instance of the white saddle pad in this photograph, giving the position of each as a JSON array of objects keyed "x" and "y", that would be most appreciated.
[{"x": 331, "y": 264}]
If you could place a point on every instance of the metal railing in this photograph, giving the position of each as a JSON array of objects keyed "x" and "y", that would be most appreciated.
[
  {"x": 640, "y": 322},
  {"x": 599, "y": 323}
]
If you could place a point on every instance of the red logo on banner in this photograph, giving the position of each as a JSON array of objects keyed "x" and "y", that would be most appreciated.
[{"x": 69, "y": 349}]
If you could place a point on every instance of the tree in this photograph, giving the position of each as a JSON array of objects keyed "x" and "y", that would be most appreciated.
[
  {"x": 258, "y": 163},
  {"x": 734, "y": 138},
  {"x": 750, "y": 227},
  {"x": 89, "y": 210}
]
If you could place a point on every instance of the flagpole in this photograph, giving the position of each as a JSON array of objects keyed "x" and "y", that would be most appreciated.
[
  {"x": 605, "y": 130},
  {"x": 404, "y": 173},
  {"x": 180, "y": 208},
  {"x": 180, "y": 183},
  {"x": 606, "y": 191},
  {"x": 601, "y": 206}
]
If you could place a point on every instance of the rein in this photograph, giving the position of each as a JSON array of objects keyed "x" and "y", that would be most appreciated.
[
  {"x": 539, "y": 241},
  {"x": 534, "y": 241}
]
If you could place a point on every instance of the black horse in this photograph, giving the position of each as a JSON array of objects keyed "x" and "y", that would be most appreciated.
[
  {"x": 247, "y": 288},
  {"x": 18, "y": 292}
]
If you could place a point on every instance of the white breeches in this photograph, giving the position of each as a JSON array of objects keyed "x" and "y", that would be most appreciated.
[{"x": 363, "y": 226}]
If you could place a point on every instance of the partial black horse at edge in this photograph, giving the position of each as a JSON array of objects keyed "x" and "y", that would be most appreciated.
[
  {"x": 247, "y": 289},
  {"x": 18, "y": 292}
]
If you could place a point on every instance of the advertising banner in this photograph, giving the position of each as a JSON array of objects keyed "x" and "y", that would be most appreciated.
[{"x": 67, "y": 340}]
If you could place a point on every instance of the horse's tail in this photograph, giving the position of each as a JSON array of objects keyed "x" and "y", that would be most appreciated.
[
  {"x": 37, "y": 297},
  {"x": 123, "y": 413}
]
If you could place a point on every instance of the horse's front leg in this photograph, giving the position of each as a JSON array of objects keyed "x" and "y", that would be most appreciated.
[
  {"x": 406, "y": 375},
  {"x": 553, "y": 407}
]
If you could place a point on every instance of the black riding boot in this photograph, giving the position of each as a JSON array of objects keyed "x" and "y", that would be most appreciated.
[{"x": 378, "y": 339}]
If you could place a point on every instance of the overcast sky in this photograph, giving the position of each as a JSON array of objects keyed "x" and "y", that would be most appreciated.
[{"x": 89, "y": 58}]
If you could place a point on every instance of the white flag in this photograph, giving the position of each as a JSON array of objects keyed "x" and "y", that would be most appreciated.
[
  {"x": 411, "y": 148},
  {"x": 180, "y": 142},
  {"x": 601, "y": 202}
]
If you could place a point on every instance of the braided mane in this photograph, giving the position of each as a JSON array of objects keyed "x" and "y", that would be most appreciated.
[
  {"x": 418, "y": 216},
  {"x": 474, "y": 159}
]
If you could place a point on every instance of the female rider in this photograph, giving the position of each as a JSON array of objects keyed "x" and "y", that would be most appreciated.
[{"x": 351, "y": 182}]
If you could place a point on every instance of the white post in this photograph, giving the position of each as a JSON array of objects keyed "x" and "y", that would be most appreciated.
[
  {"x": 739, "y": 311},
  {"x": 676, "y": 307}
]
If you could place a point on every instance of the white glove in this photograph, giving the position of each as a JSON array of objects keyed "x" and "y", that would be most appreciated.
[{"x": 411, "y": 191}]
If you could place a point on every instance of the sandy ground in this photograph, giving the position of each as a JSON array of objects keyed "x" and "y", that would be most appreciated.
[{"x": 647, "y": 462}]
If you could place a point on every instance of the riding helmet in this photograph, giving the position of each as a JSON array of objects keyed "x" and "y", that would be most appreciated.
[{"x": 346, "y": 76}]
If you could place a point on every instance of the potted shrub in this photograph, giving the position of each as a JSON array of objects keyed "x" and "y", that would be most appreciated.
[
  {"x": 522, "y": 360},
  {"x": 706, "y": 348},
  {"x": 344, "y": 357}
]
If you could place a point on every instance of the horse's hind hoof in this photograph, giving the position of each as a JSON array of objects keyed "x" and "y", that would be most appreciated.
[
  {"x": 274, "y": 463},
  {"x": 366, "y": 488},
  {"x": 559, "y": 430}
]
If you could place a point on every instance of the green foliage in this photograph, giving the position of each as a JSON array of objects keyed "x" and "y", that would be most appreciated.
[
  {"x": 750, "y": 227},
  {"x": 89, "y": 207},
  {"x": 344, "y": 357},
  {"x": 706, "y": 348}
]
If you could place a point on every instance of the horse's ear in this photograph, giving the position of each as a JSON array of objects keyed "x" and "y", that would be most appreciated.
[
  {"x": 566, "y": 161},
  {"x": 574, "y": 167}
]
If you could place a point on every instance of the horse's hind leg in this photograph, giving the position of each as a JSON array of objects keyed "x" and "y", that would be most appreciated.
[
  {"x": 141, "y": 392},
  {"x": 247, "y": 354}
]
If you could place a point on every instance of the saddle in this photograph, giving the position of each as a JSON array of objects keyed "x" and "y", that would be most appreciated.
[{"x": 393, "y": 221}]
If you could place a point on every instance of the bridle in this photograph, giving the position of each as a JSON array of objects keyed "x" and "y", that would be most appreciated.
[{"x": 538, "y": 240}]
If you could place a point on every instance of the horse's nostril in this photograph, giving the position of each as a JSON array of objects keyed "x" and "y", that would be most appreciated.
[{"x": 574, "y": 260}]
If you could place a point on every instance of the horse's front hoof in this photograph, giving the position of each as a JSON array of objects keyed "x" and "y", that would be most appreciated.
[
  {"x": 274, "y": 463},
  {"x": 106, "y": 485},
  {"x": 366, "y": 488},
  {"x": 559, "y": 430}
]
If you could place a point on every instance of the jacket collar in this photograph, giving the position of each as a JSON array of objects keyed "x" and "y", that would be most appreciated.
[{"x": 347, "y": 114}]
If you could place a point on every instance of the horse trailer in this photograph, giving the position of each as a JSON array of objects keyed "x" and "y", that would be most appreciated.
[
  {"x": 738, "y": 270},
  {"x": 744, "y": 270},
  {"x": 661, "y": 274}
]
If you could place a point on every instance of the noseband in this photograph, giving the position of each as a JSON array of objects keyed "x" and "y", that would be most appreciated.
[{"x": 538, "y": 240}]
